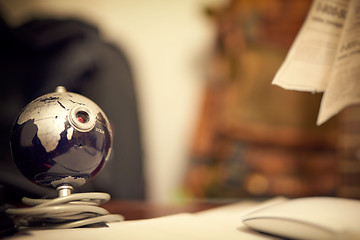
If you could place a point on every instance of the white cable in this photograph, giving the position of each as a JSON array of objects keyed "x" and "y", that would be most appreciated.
[{"x": 75, "y": 210}]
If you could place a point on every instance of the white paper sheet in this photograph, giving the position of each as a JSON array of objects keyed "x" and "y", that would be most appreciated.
[
  {"x": 343, "y": 87},
  {"x": 325, "y": 56}
]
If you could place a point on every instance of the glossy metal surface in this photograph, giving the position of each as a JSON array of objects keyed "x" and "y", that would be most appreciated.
[{"x": 61, "y": 138}]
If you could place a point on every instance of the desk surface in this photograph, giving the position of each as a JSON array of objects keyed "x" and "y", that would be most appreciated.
[
  {"x": 134, "y": 210},
  {"x": 218, "y": 222}
]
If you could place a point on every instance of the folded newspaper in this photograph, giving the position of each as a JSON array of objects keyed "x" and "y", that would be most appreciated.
[{"x": 325, "y": 56}]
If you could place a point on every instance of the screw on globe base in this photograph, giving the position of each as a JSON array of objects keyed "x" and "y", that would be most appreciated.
[
  {"x": 62, "y": 140},
  {"x": 64, "y": 190}
]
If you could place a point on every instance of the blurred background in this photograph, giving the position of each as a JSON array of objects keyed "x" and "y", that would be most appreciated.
[{"x": 187, "y": 85}]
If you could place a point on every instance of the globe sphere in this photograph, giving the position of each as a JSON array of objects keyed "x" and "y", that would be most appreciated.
[{"x": 61, "y": 138}]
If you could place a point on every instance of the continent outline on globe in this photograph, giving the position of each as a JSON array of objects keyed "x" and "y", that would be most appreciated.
[{"x": 61, "y": 138}]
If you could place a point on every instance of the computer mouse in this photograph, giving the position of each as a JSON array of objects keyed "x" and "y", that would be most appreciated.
[{"x": 308, "y": 218}]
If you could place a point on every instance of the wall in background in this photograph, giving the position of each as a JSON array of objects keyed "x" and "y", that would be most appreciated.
[{"x": 166, "y": 43}]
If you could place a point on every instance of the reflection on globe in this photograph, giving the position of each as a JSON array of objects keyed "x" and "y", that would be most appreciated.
[{"x": 61, "y": 138}]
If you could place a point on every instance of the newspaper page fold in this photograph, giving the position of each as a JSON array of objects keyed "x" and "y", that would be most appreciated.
[{"x": 325, "y": 56}]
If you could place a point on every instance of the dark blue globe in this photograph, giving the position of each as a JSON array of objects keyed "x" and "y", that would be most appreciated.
[{"x": 61, "y": 138}]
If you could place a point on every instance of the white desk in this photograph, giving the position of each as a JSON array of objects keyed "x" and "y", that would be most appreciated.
[{"x": 218, "y": 223}]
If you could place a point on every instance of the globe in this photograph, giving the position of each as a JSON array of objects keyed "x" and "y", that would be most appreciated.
[{"x": 61, "y": 138}]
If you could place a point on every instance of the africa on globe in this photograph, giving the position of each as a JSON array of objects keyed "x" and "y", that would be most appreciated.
[{"x": 61, "y": 138}]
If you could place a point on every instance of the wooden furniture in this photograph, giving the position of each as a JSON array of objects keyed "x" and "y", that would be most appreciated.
[{"x": 254, "y": 139}]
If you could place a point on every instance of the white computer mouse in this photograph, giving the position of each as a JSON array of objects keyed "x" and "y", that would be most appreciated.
[{"x": 309, "y": 218}]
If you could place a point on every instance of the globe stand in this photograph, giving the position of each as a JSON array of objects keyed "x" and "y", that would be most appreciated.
[
  {"x": 64, "y": 190},
  {"x": 66, "y": 211},
  {"x": 62, "y": 140}
]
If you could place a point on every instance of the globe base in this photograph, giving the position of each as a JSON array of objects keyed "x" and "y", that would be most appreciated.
[{"x": 66, "y": 211}]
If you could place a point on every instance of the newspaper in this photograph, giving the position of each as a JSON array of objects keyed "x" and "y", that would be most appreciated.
[{"x": 325, "y": 56}]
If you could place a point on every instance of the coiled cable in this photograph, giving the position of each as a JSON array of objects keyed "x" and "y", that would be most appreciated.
[{"x": 74, "y": 210}]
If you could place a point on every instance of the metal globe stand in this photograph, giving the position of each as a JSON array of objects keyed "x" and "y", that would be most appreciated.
[{"x": 66, "y": 211}]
